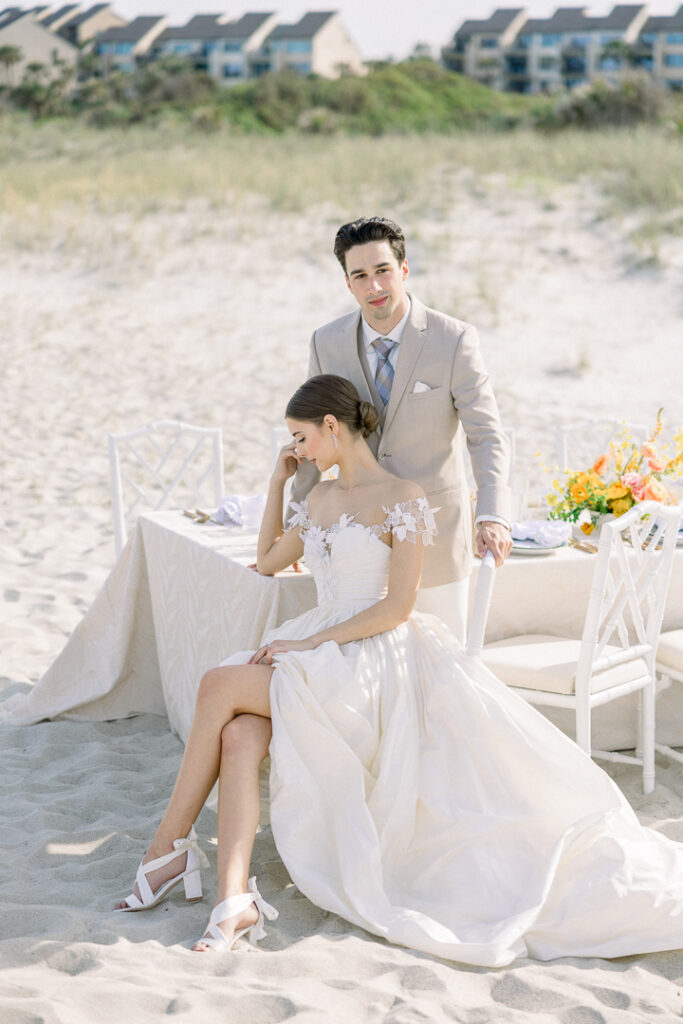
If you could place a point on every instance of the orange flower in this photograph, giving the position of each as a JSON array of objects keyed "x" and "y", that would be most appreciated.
[
  {"x": 601, "y": 464},
  {"x": 653, "y": 490},
  {"x": 654, "y": 459}
]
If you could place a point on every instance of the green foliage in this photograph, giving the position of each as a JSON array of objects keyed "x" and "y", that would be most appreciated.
[
  {"x": 635, "y": 100},
  {"x": 415, "y": 96}
]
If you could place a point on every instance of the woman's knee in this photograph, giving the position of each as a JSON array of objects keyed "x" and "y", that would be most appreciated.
[
  {"x": 246, "y": 736},
  {"x": 215, "y": 681}
]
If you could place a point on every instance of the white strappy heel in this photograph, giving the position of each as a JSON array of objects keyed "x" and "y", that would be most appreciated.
[
  {"x": 191, "y": 876},
  {"x": 234, "y": 905}
]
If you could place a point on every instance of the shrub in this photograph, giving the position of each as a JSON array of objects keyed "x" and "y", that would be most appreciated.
[{"x": 634, "y": 100}]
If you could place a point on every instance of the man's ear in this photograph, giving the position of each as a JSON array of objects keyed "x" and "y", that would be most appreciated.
[
  {"x": 348, "y": 283},
  {"x": 405, "y": 269}
]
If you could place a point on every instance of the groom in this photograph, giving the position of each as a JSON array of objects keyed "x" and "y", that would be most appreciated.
[{"x": 423, "y": 372}]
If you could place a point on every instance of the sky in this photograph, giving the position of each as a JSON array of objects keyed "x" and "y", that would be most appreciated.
[{"x": 379, "y": 28}]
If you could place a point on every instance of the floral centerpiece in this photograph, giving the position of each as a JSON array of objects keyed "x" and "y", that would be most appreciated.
[{"x": 619, "y": 478}]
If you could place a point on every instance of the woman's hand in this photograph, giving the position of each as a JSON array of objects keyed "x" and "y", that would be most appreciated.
[
  {"x": 264, "y": 655},
  {"x": 287, "y": 463}
]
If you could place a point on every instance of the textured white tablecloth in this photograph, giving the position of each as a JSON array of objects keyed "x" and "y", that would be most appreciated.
[{"x": 181, "y": 598}]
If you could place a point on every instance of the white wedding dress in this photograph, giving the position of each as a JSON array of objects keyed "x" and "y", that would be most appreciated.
[{"x": 413, "y": 794}]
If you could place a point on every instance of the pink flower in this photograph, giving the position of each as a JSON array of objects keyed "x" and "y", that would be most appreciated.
[{"x": 635, "y": 484}]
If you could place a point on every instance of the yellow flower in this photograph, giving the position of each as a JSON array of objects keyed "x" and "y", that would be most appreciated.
[
  {"x": 587, "y": 528},
  {"x": 616, "y": 491},
  {"x": 622, "y": 505},
  {"x": 578, "y": 493}
]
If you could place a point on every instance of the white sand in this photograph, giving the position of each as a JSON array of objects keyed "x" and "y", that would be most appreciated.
[{"x": 181, "y": 314}]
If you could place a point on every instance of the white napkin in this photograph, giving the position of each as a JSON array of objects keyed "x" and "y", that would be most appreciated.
[
  {"x": 547, "y": 533},
  {"x": 241, "y": 510}
]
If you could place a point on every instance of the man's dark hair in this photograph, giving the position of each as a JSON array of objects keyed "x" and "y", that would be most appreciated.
[{"x": 369, "y": 229}]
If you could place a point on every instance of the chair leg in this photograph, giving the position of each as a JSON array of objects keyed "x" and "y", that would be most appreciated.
[
  {"x": 639, "y": 724},
  {"x": 648, "y": 736},
  {"x": 583, "y": 727}
]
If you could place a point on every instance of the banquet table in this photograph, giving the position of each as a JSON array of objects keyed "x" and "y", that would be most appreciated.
[{"x": 181, "y": 597}]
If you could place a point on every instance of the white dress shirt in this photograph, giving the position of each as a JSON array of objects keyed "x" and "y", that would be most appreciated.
[{"x": 369, "y": 335}]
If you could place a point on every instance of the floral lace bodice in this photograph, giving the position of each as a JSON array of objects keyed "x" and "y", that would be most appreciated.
[{"x": 348, "y": 559}]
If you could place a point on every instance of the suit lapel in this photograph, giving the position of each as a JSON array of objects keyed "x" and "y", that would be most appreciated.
[
  {"x": 350, "y": 362},
  {"x": 412, "y": 343}
]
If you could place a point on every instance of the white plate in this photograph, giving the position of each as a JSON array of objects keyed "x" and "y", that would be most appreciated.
[{"x": 531, "y": 547}]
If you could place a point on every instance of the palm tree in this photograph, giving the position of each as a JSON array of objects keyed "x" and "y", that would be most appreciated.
[{"x": 9, "y": 56}]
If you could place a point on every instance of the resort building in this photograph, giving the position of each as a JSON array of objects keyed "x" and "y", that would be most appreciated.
[
  {"x": 35, "y": 44},
  {"x": 84, "y": 25},
  {"x": 227, "y": 50},
  {"x": 317, "y": 44},
  {"x": 659, "y": 49},
  {"x": 123, "y": 47},
  {"x": 512, "y": 52}
]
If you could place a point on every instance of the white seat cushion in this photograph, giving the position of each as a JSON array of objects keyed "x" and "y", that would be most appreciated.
[
  {"x": 539, "y": 662},
  {"x": 670, "y": 650}
]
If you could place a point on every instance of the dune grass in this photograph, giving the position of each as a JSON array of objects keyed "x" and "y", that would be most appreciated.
[{"x": 54, "y": 165}]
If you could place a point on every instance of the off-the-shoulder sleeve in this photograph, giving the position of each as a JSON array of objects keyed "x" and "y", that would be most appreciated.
[
  {"x": 410, "y": 520},
  {"x": 301, "y": 519}
]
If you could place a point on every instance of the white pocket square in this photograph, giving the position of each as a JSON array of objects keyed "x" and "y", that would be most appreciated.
[{"x": 421, "y": 386}]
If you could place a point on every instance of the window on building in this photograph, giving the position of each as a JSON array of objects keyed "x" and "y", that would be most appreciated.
[
  {"x": 580, "y": 41},
  {"x": 551, "y": 39},
  {"x": 122, "y": 48},
  {"x": 676, "y": 83},
  {"x": 648, "y": 37},
  {"x": 181, "y": 47},
  {"x": 298, "y": 46},
  {"x": 488, "y": 43},
  {"x": 609, "y": 64},
  {"x": 675, "y": 38},
  {"x": 231, "y": 46},
  {"x": 516, "y": 65},
  {"x": 575, "y": 66},
  {"x": 233, "y": 70},
  {"x": 547, "y": 63},
  {"x": 524, "y": 42},
  {"x": 674, "y": 60},
  {"x": 646, "y": 63}
]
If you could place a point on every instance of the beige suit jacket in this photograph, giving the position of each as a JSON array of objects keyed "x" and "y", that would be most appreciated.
[{"x": 420, "y": 436}]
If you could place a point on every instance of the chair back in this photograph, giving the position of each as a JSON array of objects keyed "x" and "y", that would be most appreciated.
[
  {"x": 480, "y": 606},
  {"x": 580, "y": 443},
  {"x": 628, "y": 590},
  {"x": 163, "y": 463}
]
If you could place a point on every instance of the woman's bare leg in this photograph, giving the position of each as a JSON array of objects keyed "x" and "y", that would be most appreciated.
[
  {"x": 245, "y": 743},
  {"x": 223, "y": 694}
]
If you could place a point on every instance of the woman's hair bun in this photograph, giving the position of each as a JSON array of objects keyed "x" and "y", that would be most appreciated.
[{"x": 368, "y": 418}]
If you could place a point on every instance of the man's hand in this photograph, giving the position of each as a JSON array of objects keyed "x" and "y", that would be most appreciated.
[{"x": 493, "y": 537}]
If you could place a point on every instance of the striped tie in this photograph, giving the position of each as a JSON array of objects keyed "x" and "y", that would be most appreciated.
[{"x": 384, "y": 374}]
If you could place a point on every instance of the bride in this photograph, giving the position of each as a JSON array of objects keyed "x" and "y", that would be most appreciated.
[{"x": 411, "y": 792}]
